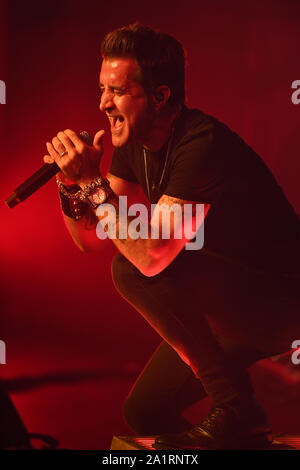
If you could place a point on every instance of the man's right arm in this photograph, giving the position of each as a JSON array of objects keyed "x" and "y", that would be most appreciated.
[{"x": 83, "y": 231}]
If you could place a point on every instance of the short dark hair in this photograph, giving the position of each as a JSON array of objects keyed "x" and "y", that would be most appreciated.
[{"x": 161, "y": 57}]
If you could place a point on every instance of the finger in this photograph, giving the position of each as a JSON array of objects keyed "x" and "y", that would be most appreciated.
[
  {"x": 51, "y": 150},
  {"x": 48, "y": 159},
  {"x": 75, "y": 139},
  {"x": 58, "y": 145},
  {"x": 98, "y": 140},
  {"x": 66, "y": 141}
]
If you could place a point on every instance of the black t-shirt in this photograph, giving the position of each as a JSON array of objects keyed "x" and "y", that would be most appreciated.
[{"x": 250, "y": 219}]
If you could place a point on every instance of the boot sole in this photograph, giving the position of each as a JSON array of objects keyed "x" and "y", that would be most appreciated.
[{"x": 258, "y": 441}]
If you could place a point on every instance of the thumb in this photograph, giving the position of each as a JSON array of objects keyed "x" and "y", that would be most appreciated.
[
  {"x": 98, "y": 140},
  {"x": 48, "y": 159}
]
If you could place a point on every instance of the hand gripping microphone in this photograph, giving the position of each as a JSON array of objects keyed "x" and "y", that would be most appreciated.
[{"x": 39, "y": 178}]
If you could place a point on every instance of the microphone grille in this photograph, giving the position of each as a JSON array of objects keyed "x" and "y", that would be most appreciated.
[{"x": 85, "y": 136}]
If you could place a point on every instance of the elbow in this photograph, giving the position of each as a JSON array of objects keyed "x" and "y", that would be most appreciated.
[
  {"x": 156, "y": 260},
  {"x": 151, "y": 267},
  {"x": 149, "y": 272}
]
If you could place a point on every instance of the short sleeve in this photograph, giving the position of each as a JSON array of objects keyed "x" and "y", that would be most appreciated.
[
  {"x": 120, "y": 165},
  {"x": 197, "y": 170}
]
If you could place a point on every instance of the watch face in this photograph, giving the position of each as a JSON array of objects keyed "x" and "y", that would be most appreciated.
[{"x": 99, "y": 196}]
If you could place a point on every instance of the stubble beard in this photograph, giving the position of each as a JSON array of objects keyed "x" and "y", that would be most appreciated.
[{"x": 145, "y": 127}]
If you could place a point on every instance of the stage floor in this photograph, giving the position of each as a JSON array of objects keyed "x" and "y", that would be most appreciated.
[{"x": 280, "y": 442}]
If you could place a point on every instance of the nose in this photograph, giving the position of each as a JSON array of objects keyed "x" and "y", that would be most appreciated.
[{"x": 106, "y": 101}]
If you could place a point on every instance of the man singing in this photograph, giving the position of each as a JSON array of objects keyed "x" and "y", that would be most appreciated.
[{"x": 219, "y": 308}]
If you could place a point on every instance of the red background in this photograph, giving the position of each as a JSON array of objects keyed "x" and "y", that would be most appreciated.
[{"x": 59, "y": 310}]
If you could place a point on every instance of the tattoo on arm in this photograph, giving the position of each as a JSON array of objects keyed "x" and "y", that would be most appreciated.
[{"x": 170, "y": 200}]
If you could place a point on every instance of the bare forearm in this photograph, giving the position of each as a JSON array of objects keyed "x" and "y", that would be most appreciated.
[
  {"x": 83, "y": 231},
  {"x": 148, "y": 254}
]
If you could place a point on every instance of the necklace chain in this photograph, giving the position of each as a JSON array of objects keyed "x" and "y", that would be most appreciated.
[{"x": 165, "y": 164}]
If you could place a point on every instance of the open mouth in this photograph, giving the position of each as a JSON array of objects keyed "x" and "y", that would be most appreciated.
[{"x": 116, "y": 123}]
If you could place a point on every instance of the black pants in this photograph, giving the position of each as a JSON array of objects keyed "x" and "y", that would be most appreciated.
[{"x": 216, "y": 318}]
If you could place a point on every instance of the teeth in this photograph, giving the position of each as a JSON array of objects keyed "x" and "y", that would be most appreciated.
[{"x": 116, "y": 120}]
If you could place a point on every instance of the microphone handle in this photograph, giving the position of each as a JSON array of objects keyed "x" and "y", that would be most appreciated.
[{"x": 39, "y": 178}]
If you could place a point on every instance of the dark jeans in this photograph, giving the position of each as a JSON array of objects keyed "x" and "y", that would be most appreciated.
[{"x": 216, "y": 318}]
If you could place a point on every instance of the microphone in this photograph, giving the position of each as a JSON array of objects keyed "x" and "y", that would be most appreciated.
[{"x": 39, "y": 178}]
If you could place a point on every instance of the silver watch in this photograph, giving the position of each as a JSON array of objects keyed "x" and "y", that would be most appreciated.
[{"x": 99, "y": 196}]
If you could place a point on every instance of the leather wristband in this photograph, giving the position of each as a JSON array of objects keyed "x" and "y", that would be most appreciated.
[{"x": 73, "y": 207}]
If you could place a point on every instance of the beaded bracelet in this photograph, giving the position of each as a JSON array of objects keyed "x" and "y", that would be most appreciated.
[
  {"x": 73, "y": 199},
  {"x": 71, "y": 205}
]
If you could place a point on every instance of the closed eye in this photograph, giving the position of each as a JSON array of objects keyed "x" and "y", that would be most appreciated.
[
  {"x": 119, "y": 92},
  {"x": 116, "y": 91}
]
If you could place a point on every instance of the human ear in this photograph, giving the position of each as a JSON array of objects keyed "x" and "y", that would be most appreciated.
[{"x": 161, "y": 96}]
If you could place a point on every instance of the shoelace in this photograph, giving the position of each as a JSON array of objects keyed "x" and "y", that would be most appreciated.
[{"x": 213, "y": 424}]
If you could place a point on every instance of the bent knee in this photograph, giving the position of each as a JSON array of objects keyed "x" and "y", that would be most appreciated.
[{"x": 124, "y": 273}]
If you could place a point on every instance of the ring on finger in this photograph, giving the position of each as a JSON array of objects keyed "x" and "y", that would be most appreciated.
[{"x": 64, "y": 153}]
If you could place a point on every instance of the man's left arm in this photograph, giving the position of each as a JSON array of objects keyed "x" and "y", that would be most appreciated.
[
  {"x": 173, "y": 223},
  {"x": 155, "y": 251}
]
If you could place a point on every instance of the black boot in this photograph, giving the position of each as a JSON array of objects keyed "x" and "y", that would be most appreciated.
[{"x": 233, "y": 425}]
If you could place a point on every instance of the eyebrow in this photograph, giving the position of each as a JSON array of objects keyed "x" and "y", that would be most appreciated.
[{"x": 112, "y": 87}]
